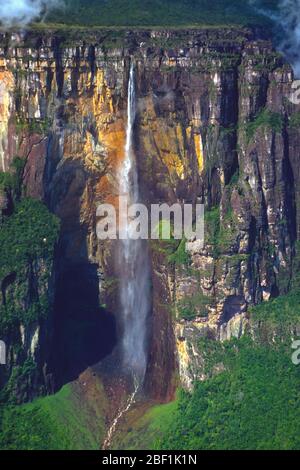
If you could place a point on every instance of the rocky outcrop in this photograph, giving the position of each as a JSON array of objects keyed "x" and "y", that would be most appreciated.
[
  {"x": 214, "y": 124},
  {"x": 27, "y": 279}
]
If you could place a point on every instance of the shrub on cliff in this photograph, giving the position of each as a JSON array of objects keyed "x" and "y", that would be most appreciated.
[{"x": 27, "y": 240}]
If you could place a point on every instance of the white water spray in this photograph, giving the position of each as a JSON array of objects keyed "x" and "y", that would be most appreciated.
[
  {"x": 121, "y": 413},
  {"x": 134, "y": 275},
  {"x": 287, "y": 18},
  {"x": 133, "y": 259},
  {"x": 22, "y": 12}
]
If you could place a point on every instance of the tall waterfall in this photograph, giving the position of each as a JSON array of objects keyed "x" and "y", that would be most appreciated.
[{"x": 133, "y": 260}]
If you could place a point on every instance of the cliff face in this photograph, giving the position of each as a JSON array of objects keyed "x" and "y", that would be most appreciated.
[{"x": 214, "y": 125}]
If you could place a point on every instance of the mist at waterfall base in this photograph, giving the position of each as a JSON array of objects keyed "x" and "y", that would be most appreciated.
[
  {"x": 286, "y": 19},
  {"x": 22, "y": 12},
  {"x": 133, "y": 261}
]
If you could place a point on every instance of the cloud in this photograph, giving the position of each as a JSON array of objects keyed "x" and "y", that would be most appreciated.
[
  {"x": 287, "y": 19},
  {"x": 22, "y": 12}
]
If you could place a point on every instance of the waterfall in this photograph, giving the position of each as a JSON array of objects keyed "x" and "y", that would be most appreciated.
[
  {"x": 134, "y": 275},
  {"x": 108, "y": 440},
  {"x": 133, "y": 260}
]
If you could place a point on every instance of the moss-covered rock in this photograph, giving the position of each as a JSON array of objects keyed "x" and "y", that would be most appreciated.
[{"x": 27, "y": 239}]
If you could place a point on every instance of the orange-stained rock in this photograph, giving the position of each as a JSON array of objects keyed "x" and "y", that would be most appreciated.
[{"x": 63, "y": 109}]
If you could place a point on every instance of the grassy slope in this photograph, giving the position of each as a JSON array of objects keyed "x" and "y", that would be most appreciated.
[
  {"x": 157, "y": 12},
  {"x": 253, "y": 404},
  {"x": 144, "y": 430},
  {"x": 63, "y": 421}
]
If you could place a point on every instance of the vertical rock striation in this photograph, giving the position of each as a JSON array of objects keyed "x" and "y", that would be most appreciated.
[{"x": 214, "y": 124}]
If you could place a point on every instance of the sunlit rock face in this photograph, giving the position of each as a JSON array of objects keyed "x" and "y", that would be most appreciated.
[{"x": 213, "y": 125}]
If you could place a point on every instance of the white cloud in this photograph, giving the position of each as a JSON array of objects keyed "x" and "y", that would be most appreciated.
[
  {"x": 21, "y": 12},
  {"x": 287, "y": 17}
]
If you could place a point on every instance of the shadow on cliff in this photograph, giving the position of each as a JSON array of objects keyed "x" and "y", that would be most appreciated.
[{"x": 83, "y": 332}]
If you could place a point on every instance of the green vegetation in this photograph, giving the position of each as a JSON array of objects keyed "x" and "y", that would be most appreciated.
[
  {"x": 194, "y": 306},
  {"x": 281, "y": 315},
  {"x": 29, "y": 236},
  {"x": 11, "y": 181},
  {"x": 265, "y": 119},
  {"x": 164, "y": 230},
  {"x": 250, "y": 400},
  {"x": 158, "y": 13},
  {"x": 58, "y": 422},
  {"x": 227, "y": 231},
  {"x": 212, "y": 225},
  {"x": 33, "y": 126},
  {"x": 219, "y": 234},
  {"x": 253, "y": 404},
  {"x": 147, "y": 431},
  {"x": 166, "y": 245},
  {"x": 234, "y": 179},
  {"x": 294, "y": 122},
  {"x": 19, "y": 381},
  {"x": 180, "y": 257}
]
